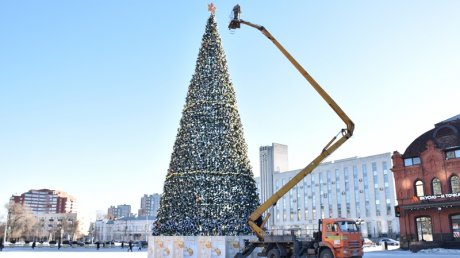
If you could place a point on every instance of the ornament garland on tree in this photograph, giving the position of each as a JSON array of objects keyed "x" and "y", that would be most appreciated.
[{"x": 209, "y": 188}]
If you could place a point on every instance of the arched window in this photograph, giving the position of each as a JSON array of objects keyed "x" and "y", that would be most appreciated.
[
  {"x": 455, "y": 184},
  {"x": 419, "y": 188},
  {"x": 424, "y": 230},
  {"x": 436, "y": 184}
]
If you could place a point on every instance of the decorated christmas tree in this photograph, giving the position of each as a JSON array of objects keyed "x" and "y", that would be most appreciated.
[{"x": 209, "y": 188}]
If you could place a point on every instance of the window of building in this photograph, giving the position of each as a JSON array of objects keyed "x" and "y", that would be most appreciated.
[
  {"x": 283, "y": 200},
  {"x": 411, "y": 161},
  {"x": 424, "y": 229},
  {"x": 379, "y": 227},
  {"x": 356, "y": 191},
  {"x": 455, "y": 222},
  {"x": 369, "y": 230},
  {"x": 452, "y": 154},
  {"x": 329, "y": 193},
  {"x": 366, "y": 191},
  {"x": 455, "y": 184},
  {"x": 347, "y": 192},
  {"x": 298, "y": 204},
  {"x": 305, "y": 197},
  {"x": 338, "y": 191},
  {"x": 321, "y": 195},
  {"x": 436, "y": 183},
  {"x": 313, "y": 199},
  {"x": 292, "y": 201},
  {"x": 419, "y": 188},
  {"x": 376, "y": 189}
]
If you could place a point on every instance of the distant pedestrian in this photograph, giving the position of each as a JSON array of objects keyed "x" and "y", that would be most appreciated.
[
  {"x": 33, "y": 245},
  {"x": 59, "y": 245},
  {"x": 139, "y": 246},
  {"x": 130, "y": 249},
  {"x": 122, "y": 244},
  {"x": 1, "y": 245},
  {"x": 98, "y": 245}
]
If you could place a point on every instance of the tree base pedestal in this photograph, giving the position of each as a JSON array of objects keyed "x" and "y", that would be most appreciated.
[{"x": 197, "y": 246}]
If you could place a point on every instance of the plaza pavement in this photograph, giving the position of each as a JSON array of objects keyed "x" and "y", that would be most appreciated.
[{"x": 81, "y": 252}]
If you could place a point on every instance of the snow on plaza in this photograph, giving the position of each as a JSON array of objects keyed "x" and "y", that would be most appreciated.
[{"x": 371, "y": 252}]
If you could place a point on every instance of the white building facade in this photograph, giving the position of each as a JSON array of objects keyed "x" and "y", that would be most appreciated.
[
  {"x": 55, "y": 212},
  {"x": 357, "y": 188},
  {"x": 57, "y": 226},
  {"x": 123, "y": 229},
  {"x": 273, "y": 159}
]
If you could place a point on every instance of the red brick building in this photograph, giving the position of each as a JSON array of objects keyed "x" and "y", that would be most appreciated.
[
  {"x": 427, "y": 179},
  {"x": 45, "y": 201}
]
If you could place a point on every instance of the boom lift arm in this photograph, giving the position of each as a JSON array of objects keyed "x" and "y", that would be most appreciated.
[{"x": 330, "y": 147}]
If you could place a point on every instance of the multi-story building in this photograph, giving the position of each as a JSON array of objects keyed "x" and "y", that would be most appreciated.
[
  {"x": 273, "y": 159},
  {"x": 358, "y": 188},
  {"x": 55, "y": 212},
  {"x": 45, "y": 201},
  {"x": 123, "y": 210},
  {"x": 56, "y": 226},
  {"x": 123, "y": 229},
  {"x": 149, "y": 205},
  {"x": 122, "y": 225},
  {"x": 428, "y": 187}
]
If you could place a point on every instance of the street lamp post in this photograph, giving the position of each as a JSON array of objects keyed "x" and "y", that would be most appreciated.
[
  {"x": 4, "y": 233},
  {"x": 440, "y": 225},
  {"x": 147, "y": 226},
  {"x": 6, "y": 225}
]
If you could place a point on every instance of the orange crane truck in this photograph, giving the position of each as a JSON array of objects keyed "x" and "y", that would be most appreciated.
[{"x": 336, "y": 238}]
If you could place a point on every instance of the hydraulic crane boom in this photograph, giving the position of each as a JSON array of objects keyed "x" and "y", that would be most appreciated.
[{"x": 330, "y": 147}]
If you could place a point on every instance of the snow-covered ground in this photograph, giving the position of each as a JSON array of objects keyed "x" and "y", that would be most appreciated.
[
  {"x": 79, "y": 252},
  {"x": 394, "y": 251},
  {"x": 370, "y": 252}
]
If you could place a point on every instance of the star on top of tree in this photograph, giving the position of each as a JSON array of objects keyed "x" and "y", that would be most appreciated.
[{"x": 212, "y": 8}]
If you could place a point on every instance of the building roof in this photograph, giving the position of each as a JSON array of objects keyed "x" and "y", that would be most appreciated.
[
  {"x": 138, "y": 218},
  {"x": 445, "y": 135}
]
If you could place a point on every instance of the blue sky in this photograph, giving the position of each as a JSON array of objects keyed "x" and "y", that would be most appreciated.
[{"x": 91, "y": 92}]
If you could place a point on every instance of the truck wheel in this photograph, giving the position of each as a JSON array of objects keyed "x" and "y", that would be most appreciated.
[
  {"x": 326, "y": 253},
  {"x": 274, "y": 253}
]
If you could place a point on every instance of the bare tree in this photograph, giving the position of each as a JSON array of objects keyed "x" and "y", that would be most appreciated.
[
  {"x": 74, "y": 229},
  {"x": 21, "y": 222},
  {"x": 2, "y": 230},
  {"x": 71, "y": 227},
  {"x": 38, "y": 232}
]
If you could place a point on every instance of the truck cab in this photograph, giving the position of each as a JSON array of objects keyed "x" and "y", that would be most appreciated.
[{"x": 339, "y": 238}]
